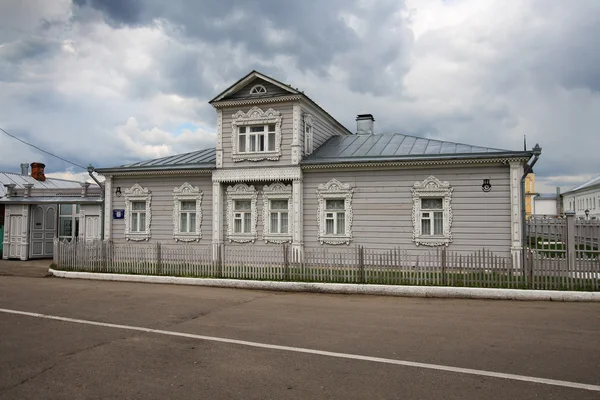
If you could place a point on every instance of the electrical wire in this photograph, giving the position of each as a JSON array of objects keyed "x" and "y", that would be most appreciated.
[{"x": 42, "y": 150}]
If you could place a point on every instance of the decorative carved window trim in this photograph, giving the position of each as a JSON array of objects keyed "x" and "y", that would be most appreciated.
[
  {"x": 241, "y": 191},
  {"x": 432, "y": 187},
  {"x": 256, "y": 116},
  {"x": 334, "y": 190},
  {"x": 258, "y": 90},
  {"x": 137, "y": 193},
  {"x": 309, "y": 144},
  {"x": 187, "y": 192},
  {"x": 277, "y": 191}
]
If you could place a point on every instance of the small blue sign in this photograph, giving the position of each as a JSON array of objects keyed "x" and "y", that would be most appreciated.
[{"x": 118, "y": 214}]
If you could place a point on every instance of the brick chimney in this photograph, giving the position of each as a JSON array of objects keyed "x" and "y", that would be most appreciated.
[{"x": 37, "y": 171}]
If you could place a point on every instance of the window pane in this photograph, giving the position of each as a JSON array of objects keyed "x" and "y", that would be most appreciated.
[
  {"x": 134, "y": 222},
  {"x": 242, "y": 143},
  {"x": 284, "y": 222},
  {"x": 431, "y": 204},
  {"x": 329, "y": 226},
  {"x": 279, "y": 204},
  {"x": 188, "y": 205},
  {"x": 274, "y": 223},
  {"x": 192, "y": 222},
  {"x": 261, "y": 142},
  {"x": 247, "y": 222},
  {"x": 242, "y": 129},
  {"x": 257, "y": 129},
  {"x": 66, "y": 226},
  {"x": 237, "y": 228},
  {"x": 252, "y": 143},
  {"x": 138, "y": 205},
  {"x": 341, "y": 223},
  {"x": 183, "y": 223},
  {"x": 142, "y": 222},
  {"x": 66, "y": 209},
  {"x": 334, "y": 204},
  {"x": 426, "y": 227},
  {"x": 438, "y": 223},
  {"x": 271, "y": 142},
  {"x": 242, "y": 205},
  {"x": 271, "y": 128}
]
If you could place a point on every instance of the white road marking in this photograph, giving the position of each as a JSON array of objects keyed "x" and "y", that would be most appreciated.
[{"x": 436, "y": 367}]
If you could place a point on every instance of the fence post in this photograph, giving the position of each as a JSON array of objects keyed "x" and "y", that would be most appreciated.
[
  {"x": 220, "y": 251},
  {"x": 103, "y": 255},
  {"x": 361, "y": 264},
  {"x": 158, "y": 259},
  {"x": 286, "y": 262},
  {"x": 444, "y": 266},
  {"x": 570, "y": 240}
]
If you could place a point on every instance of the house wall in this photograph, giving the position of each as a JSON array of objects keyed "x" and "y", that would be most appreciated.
[
  {"x": 161, "y": 188},
  {"x": 323, "y": 126},
  {"x": 382, "y": 206},
  {"x": 286, "y": 110}
]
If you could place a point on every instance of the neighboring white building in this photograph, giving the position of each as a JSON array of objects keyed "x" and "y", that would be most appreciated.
[
  {"x": 585, "y": 197},
  {"x": 545, "y": 205}
]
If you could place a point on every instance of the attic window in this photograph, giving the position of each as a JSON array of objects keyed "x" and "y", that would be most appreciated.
[{"x": 258, "y": 89}]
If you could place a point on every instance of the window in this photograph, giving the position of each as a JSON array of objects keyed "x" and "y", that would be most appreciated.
[
  {"x": 308, "y": 135},
  {"x": 187, "y": 213},
  {"x": 334, "y": 215},
  {"x": 432, "y": 213},
  {"x": 241, "y": 213},
  {"x": 68, "y": 224},
  {"x": 138, "y": 214},
  {"x": 277, "y": 212},
  {"x": 252, "y": 139},
  {"x": 258, "y": 89},
  {"x": 256, "y": 135}
]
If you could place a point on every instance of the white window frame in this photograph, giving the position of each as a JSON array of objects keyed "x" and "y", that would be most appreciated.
[
  {"x": 137, "y": 193},
  {"x": 308, "y": 134},
  {"x": 277, "y": 191},
  {"x": 432, "y": 188},
  {"x": 248, "y": 134},
  {"x": 241, "y": 191},
  {"x": 255, "y": 116},
  {"x": 258, "y": 90},
  {"x": 334, "y": 190},
  {"x": 187, "y": 192}
]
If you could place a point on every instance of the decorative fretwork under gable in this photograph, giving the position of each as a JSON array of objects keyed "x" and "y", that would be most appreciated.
[{"x": 432, "y": 188}]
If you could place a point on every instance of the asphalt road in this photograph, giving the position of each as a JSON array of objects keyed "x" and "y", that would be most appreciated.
[{"x": 50, "y": 359}]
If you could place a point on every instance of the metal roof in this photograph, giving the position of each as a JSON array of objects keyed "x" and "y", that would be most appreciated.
[
  {"x": 51, "y": 200},
  {"x": 396, "y": 146},
  {"x": 545, "y": 196},
  {"x": 19, "y": 180},
  {"x": 589, "y": 184},
  {"x": 201, "y": 159}
]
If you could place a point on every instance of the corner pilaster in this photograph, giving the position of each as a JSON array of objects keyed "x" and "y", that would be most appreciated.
[
  {"x": 516, "y": 171},
  {"x": 217, "y": 222},
  {"x": 296, "y": 134},
  {"x": 6, "y": 240},
  {"x": 108, "y": 207},
  {"x": 25, "y": 236},
  {"x": 298, "y": 233},
  {"x": 219, "y": 149}
]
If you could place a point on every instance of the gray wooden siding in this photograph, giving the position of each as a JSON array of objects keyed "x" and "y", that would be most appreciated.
[
  {"x": 260, "y": 241},
  {"x": 382, "y": 205},
  {"x": 244, "y": 92},
  {"x": 323, "y": 127},
  {"x": 286, "y": 110},
  {"x": 161, "y": 228}
]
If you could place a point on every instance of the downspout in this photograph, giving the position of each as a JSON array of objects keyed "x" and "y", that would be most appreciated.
[
  {"x": 537, "y": 150},
  {"x": 91, "y": 169}
]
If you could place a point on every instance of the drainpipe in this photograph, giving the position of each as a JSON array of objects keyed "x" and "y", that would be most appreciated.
[
  {"x": 91, "y": 169},
  {"x": 537, "y": 150}
]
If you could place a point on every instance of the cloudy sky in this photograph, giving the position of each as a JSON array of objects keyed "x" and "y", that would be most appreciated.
[{"x": 113, "y": 81}]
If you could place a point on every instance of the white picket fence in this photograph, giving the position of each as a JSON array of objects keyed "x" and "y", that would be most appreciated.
[{"x": 337, "y": 265}]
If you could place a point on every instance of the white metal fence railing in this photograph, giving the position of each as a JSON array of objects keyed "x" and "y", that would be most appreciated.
[{"x": 337, "y": 265}]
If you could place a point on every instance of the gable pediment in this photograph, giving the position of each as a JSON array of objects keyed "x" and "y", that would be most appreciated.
[{"x": 255, "y": 86}]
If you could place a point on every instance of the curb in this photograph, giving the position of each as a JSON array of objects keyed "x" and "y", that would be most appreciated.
[{"x": 350, "y": 288}]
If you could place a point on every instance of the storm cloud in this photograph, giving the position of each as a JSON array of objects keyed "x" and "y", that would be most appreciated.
[{"x": 109, "y": 82}]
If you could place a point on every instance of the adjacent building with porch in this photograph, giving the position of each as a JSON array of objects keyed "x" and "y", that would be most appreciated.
[
  {"x": 36, "y": 209},
  {"x": 285, "y": 171}
]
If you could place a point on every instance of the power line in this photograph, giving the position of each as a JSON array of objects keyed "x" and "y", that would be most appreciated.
[{"x": 42, "y": 150}]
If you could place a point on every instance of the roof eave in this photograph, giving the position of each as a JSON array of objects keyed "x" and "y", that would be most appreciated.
[{"x": 206, "y": 167}]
